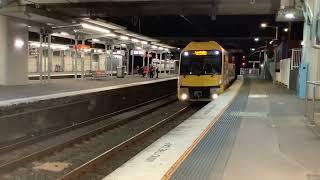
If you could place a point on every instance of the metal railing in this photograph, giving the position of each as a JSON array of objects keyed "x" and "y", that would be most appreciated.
[
  {"x": 250, "y": 71},
  {"x": 311, "y": 111},
  {"x": 296, "y": 55}
]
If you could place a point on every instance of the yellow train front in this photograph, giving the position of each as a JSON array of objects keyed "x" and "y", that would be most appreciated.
[{"x": 205, "y": 71}]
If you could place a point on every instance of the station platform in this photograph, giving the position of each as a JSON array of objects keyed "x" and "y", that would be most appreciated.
[
  {"x": 36, "y": 90},
  {"x": 254, "y": 131}
]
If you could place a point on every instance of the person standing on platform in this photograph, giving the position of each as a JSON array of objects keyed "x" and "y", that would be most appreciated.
[
  {"x": 145, "y": 71},
  {"x": 151, "y": 71},
  {"x": 157, "y": 71}
]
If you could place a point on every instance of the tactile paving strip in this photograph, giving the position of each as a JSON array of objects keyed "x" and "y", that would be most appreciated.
[{"x": 209, "y": 158}]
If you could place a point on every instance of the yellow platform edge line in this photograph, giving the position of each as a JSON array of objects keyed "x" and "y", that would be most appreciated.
[{"x": 175, "y": 166}]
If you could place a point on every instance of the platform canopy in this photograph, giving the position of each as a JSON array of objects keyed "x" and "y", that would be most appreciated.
[{"x": 105, "y": 8}]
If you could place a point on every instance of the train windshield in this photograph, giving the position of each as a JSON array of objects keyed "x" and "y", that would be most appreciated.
[{"x": 200, "y": 65}]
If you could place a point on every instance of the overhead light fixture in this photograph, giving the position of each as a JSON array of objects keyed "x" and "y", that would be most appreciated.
[
  {"x": 166, "y": 49},
  {"x": 154, "y": 47},
  {"x": 64, "y": 33},
  {"x": 160, "y": 48},
  {"x": 286, "y": 29},
  {"x": 123, "y": 45},
  {"x": 94, "y": 28},
  {"x": 124, "y": 37},
  {"x": 111, "y": 35},
  {"x": 253, "y": 49},
  {"x": 289, "y": 16},
  {"x": 178, "y": 48},
  {"x": 264, "y": 25},
  {"x": 270, "y": 42},
  {"x": 256, "y": 39},
  {"x": 95, "y": 40},
  {"x": 144, "y": 42},
  {"x": 138, "y": 48},
  {"x": 134, "y": 40}
]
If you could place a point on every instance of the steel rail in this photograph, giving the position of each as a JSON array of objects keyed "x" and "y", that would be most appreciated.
[{"x": 88, "y": 166}]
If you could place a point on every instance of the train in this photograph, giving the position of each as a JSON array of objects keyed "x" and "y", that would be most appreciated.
[{"x": 205, "y": 71}]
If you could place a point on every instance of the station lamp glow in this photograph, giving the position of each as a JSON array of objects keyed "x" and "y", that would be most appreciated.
[
  {"x": 286, "y": 29},
  {"x": 160, "y": 48},
  {"x": 123, "y": 45},
  {"x": 264, "y": 25},
  {"x": 289, "y": 16},
  {"x": 124, "y": 38},
  {"x": 166, "y": 49},
  {"x": 154, "y": 47},
  {"x": 253, "y": 49},
  {"x": 18, "y": 43},
  {"x": 256, "y": 39},
  {"x": 94, "y": 28}
]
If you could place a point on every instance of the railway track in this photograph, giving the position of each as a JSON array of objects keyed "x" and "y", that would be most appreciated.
[{"x": 27, "y": 165}]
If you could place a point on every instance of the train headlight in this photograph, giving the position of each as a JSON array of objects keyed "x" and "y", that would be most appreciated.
[
  {"x": 184, "y": 96},
  {"x": 215, "y": 96},
  {"x": 186, "y": 53}
]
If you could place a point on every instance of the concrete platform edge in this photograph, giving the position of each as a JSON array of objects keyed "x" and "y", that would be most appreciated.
[
  {"x": 162, "y": 157},
  {"x": 6, "y": 103}
]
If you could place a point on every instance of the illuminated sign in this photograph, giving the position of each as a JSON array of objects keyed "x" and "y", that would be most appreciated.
[{"x": 201, "y": 53}]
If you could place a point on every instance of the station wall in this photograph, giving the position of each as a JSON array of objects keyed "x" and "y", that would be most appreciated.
[
  {"x": 66, "y": 63},
  {"x": 310, "y": 53}
]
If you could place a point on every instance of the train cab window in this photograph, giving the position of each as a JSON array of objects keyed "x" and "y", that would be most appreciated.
[{"x": 199, "y": 65}]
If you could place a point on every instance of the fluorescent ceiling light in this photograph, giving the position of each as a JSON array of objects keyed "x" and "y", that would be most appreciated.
[
  {"x": 154, "y": 47},
  {"x": 124, "y": 38},
  {"x": 256, "y": 39},
  {"x": 289, "y": 16},
  {"x": 94, "y": 28},
  {"x": 111, "y": 35},
  {"x": 64, "y": 33},
  {"x": 95, "y": 40},
  {"x": 144, "y": 42},
  {"x": 134, "y": 40},
  {"x": 160, "y": 48}
]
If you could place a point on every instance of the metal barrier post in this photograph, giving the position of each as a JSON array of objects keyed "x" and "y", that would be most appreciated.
[
  {"x": 313, "y": 101},
  {"x": 306, "y": 101}
]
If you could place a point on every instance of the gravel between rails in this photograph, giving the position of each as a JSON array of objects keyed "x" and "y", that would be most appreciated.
[
  {"x": 123, "y": 156},
  {"x": 78, "y": 154}
]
